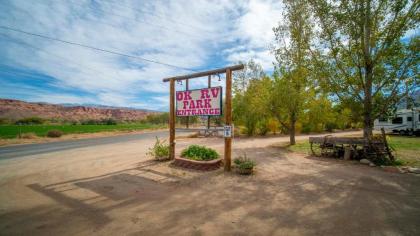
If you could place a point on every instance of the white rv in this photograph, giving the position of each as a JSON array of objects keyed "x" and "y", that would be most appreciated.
[{"x": 405, "y": 122}]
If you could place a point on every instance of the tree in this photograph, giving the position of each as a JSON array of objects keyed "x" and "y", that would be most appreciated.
[
  {"x": 241, "y": 78},
  {"x": 363, "y": 53},
  {"x": 319, "y": 115},
  {"x": 292, "y": 77},
  {"x": 251, "y": 90}
]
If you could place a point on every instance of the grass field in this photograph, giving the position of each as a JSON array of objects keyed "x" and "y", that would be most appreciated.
[
  {"x": 12, "y": 131},
  {"x": 406, "y": 149}
]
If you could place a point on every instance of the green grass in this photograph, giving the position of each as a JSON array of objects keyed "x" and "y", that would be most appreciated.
[
  {"x": 302, "y": 147},
  {"x": 406, "y": 149},
  {"x": 12, "y": 131}
]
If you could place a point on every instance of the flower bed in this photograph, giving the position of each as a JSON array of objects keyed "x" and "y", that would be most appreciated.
[
  {"x": 198, "y": 165},
  {"x": 198, "y": 158}
]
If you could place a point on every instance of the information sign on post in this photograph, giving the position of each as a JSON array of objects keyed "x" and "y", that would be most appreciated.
[{"x": 227, "y": 131}]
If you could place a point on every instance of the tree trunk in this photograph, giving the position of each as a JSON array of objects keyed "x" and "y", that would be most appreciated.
[
  {"x": 367, "y": 107},
  {"x": 292, "y": 132},
  {"x": 367, "y": 103}
]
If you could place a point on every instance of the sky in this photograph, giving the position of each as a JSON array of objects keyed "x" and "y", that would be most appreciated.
[{"x": 197, "y": 35}]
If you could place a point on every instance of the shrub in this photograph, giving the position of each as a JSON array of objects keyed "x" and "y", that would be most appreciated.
[
  {"x": 199, "y": 153},
  {"x": 273, "y": 125},
  {"x": 160, "y": 150},
  {"x": 109, "y": 121},
  {"x": 330, "y": 126},
  {"x": 30, "y": 121},
  {"x": 263, "y": 127},
  {"x": 4, "y": 121},
  {"x": 54, "y": 133},
  {"x": 90, "y": 122},
  {"x": 30, "y": 135},
  {"x": 243, "y": 162}
]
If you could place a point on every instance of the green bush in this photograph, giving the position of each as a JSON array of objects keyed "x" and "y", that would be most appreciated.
[
  {"x": 160, "y": 150},
  {"x": 199, "y": 153},
  {"x": 263, "y": 127},
  {"x": 108, "y": 121},
  {"x": 244, "y": 162},
  {"x": 54, "y": 133},
  {"x": 30, "y": 121}
]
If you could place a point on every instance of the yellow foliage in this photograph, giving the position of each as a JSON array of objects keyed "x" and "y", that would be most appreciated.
[{"x": 273, "y": 125}]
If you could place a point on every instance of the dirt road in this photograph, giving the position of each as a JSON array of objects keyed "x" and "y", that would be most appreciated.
[{"x": 116, "y": 189}]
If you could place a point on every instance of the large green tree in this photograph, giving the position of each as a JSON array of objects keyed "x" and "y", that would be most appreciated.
[
  {"x": 365, "y": 56},
  {"x": 292, "y": 52},
  {"x": 251, "y": 90}
]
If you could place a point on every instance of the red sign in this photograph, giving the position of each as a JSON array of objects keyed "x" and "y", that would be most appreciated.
[{"x": 199, "y": 102}]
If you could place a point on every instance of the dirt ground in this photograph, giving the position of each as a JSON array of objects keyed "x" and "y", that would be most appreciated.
[{"x": 117, "y": 190}]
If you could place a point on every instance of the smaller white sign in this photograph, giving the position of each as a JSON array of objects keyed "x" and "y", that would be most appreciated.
[{"x": 227, "y": 131}]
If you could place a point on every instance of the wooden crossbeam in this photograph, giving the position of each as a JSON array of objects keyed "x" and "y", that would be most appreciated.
[{"x": 205, "y": 73}]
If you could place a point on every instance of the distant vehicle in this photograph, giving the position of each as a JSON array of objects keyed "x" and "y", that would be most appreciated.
[{"x": 405, "y": 122}]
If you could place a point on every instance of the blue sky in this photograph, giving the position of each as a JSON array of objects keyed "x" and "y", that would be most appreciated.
[{"x": 198, "y": 34}]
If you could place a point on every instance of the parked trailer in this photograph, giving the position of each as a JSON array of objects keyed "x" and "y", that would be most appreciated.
[{"x": 405, "y": 122}]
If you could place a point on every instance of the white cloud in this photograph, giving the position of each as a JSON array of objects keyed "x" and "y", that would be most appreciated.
[
  {"x": 192, "y": 34},
  {"x": 255, "y": 31}
]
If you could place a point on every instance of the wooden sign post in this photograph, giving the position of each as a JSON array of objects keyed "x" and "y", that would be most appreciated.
[
  {"x": 228, "y": 108},
  {"x": 172, "y": 120},
  {"x": 228, "y": 119}
]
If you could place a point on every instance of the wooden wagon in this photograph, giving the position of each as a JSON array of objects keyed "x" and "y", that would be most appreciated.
[{"x": 349, "y": 147}]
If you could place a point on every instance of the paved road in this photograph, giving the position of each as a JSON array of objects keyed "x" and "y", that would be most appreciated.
[{"x": 40, "y": 148}]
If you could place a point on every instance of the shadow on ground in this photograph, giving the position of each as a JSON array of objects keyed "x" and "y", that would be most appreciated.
[{"x": 288, "y": 195}]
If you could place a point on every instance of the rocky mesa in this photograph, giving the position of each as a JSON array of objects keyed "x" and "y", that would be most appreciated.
[{"x": 15, "y": 109}]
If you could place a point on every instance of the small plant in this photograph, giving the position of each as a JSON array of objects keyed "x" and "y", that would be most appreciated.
[
  {"x": 160, "y": 150},
  {"x": 199, "y": 153},
  {"x": 54, "y": 133},
  {"x": 244, "y": 164}
]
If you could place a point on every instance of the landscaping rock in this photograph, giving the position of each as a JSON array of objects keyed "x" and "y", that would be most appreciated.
[
  {"x": 392, "y": 169},
  {"x": 413, "y": 170},
  {"x": 365, "y": 161},
  {"x": 372, "y": 165}
]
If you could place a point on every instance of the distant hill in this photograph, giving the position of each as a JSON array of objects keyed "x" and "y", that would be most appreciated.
[{"x": 15, "y": 109}]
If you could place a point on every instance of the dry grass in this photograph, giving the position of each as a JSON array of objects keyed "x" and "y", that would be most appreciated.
[{"x": 30, "y": 135}]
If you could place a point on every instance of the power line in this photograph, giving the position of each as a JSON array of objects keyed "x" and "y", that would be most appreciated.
[
  {"x": 22, "y": 43},
  {"x": 95, "y": 48}
]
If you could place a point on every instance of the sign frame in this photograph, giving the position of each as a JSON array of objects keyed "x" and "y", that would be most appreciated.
[{"x": 228, "y": 107}]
